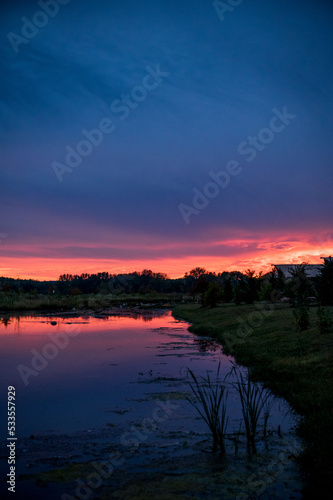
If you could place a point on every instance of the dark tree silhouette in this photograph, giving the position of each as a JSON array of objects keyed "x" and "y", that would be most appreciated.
[{"x": 324, "y": 283}]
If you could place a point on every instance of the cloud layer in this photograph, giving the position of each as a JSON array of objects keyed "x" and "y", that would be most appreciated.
[{"x": 120, "y": 206}]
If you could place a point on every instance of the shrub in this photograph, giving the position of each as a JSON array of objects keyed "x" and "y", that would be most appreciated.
[
  {"x": 301, "y": 314},
  {"x": 324, "y": 320},
  {"x": 212, "y": 296},
  {"x": 265, "y": 291}
]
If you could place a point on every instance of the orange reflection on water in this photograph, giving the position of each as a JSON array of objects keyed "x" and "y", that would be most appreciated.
[{"x": 41, "y": 325}]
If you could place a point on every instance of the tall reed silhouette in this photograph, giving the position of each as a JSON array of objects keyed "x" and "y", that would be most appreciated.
[
  {"x": 210, "y": 403},
  {"x": 255, "y": 400}
]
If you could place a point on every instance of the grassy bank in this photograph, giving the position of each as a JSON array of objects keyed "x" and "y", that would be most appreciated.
[
  {"x": 39, "y": 302},
  {"x": 295, "y": 365}
]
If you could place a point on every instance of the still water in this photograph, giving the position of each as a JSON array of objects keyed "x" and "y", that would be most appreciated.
[{"x": 121, "y": 378}]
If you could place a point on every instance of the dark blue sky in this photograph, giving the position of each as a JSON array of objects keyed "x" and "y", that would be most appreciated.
[{"x": 120, "y": 207}]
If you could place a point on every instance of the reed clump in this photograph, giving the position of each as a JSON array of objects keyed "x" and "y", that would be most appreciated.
[
  {"x": 210, "y": 402},
  {"x": 256, "y": 403}
]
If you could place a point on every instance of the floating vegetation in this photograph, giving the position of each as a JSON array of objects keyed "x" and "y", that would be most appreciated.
[{"x": 119, "y": 411}]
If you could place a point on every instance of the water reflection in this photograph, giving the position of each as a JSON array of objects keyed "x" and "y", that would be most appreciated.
[
  {"x": 19, "y": 322},
  {"x": 144, "y": 315},
  {"x": 110, "y": 378},
  {"x": 93, "y": 364},
  {"x": 6, "y": 321}
]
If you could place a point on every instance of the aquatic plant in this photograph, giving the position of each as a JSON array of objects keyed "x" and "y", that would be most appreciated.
[
  {"x": 267, "y": 411},
  {"x": 210, "y": 403},
  {"x": 255, "y": 401},
  {"x": 235, "y": 437}
]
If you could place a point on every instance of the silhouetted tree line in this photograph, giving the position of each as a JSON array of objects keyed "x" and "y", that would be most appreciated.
[
  {"x": 196, "y": 283},
  {"x": 12, "y": 285},
  {"x": 206, "y": 287},
  {"x": 145, "y": 282}
]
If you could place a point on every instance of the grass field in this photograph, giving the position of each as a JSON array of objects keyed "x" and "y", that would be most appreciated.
[{"x": 296, "y": 365}]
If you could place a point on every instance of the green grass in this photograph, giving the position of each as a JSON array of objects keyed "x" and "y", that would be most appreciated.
[{"x": 294, "y": 364}]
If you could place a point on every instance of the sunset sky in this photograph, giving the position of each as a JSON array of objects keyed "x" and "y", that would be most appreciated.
[{"x": 207, "y": 135}]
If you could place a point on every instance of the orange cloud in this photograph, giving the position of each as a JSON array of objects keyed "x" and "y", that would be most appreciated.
[{"x": 259, "y": 259}]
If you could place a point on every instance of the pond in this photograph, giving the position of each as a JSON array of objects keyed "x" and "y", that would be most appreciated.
[{"x": 113, "y": 388}]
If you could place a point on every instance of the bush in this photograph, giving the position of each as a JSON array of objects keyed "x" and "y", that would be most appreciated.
[
  {"x": 325, "y": 283},
  {"x": 212, "y": 296},
  {"x": 238, "y": 295},
  {"x": 324, "y": 320},
  {"x": 265, "y": 291},
  {"x": 227, "y": 291},
  {"x": 301, "y": 313}
]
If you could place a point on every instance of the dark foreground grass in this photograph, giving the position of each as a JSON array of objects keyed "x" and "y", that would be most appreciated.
[{"x": 295, "y": 365}]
